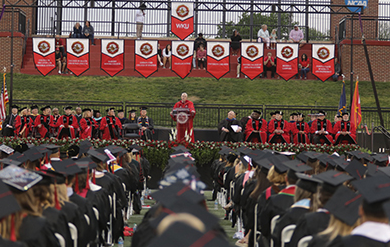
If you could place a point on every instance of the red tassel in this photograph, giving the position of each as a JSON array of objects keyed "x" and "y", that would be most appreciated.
[
  {"x": 13, "y": 235},
  {"x": 46, "y": 159},
  {"x": 121, "y": 161},
  {"x": 87, "y": 182},
  {"x": 107, "y": 167},
  {"x": 76, "y": 184},
  {"x": 249, "y": 167},
  {"x": 94, "y": 177},
  {"x": 57, "y": 203}
]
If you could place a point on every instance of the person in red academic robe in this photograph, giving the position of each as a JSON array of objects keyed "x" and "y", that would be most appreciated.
[
  {"x": 345, "y": 131},
  {"x": 183, "y": 113},
  {"x": 88, "y": 125},
  {"x": 322, "y": 130},
  {"x": 300, "y": 130},
  {"x": 279, "y": 129},
  {"x": 110, "y": 125},
  {"x": 23, "y": 123},
  {"x": 67, "y": 124},
  {"x": 256, "y": 128},
  {"x": 44, "y": 122}
]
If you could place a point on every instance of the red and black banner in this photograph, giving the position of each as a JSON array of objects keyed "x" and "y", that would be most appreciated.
[
  {"x": 287, "y": 60},
  {"x": 218, "y": 55},
  {"x": 145, "y": 57},
  {"x": 323, "y": 61},
  {"x": 182, "y": 54},
  {"x": 112, "y": 60},
  {"x": 78, "y": 55},
  {"x": 252, "y": 59},
  {"x": 182, "y": 19},
  {"x": 44, "y": 55}
]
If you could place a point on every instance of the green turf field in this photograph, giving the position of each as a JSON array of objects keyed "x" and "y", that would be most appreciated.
[{"x": 200, "y": 90}]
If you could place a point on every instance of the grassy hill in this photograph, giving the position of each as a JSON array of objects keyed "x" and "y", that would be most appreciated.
[{"x": 200, "y": 90}]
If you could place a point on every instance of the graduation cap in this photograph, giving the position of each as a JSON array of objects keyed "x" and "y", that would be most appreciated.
[
  {"x": 345, "y": 113},
  {"x": 374, "y": 189},
  {"x": 53, "y": 148},
  {"x": 23, "y": 108},
  {"x": 18, "y": 157},
  {"x": 132, "y": 110},
  {"x": 45, "y": 107},
  {"x": 177, "y": 191},
  {"x": 341, "y": 164},
  {"x": 66, "y": 167},
  {"x": 344, "y": 205},
  {"x": 33, "y": 154},
  {"x": 356, "y": 169},
  {"x": 332, "y": 179},
  {"x": 339, "y": 116},
  {"x": 256, "y": 154},
  {"x": 110, "y": 109},
  {"x": 19, "y": 178},
  {"x": 381, "y": 159},
  {"x": 307, "y": 182},
  {"x": 372, "y": 170},
  {"x": 309, "y": 156},
  {"x": 181, "y": 147},
  {"x": 323, "y": 159},
  {"x": 73, "y": 150},
  {"x": 7, "y": 161},
  {"x": 279, "y": 112},
  {"x": 225, "y": 150},
  {"x": 272, "y": 113},
  {"x": 87, "y": 109},
  {"x": 384, "y": 171},
  {"x": 143, "y": 108},
  {"x": 86, "y": 163},
  {"x": 264, "y": 163},
  {"x": 67, "y": 108},
  {"x": 258, "y": 112},
  {"x": 8, "y": 203},
  {"x": 231, "y": 157},
  {"x": 297, "y": 166},
  {"x": 360, "y": 155},
  {"x": 244, "y": 150},
  {"x": 177, "y": 152},
  {"x": 300, "y": 114},
  {"x": 22, "y": 147},
  {"x": 119, "y": 111},
  {"x": 6, "y": 149},
  {"x": 321, "y": 113},
  {"x": 34, "y": 107},
  {"x": 96, "y": 111},
  {"x": 97, "y": 155},
  {"x": 85, "y": 146},
  {"x": 15, "y": 107},
  {"x": 277, "y": 161},
  {"x": 244, "y": 161},
  {"x": 293, "y": 114},
  {"x": 116, "y": 150}
]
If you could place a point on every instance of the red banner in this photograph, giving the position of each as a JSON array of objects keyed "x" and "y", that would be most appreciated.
[
  {"x": 287, "y": 70},
  {"x": 252, "y": 69},
  {"x": 45, "y": 64},
  {"x": 218, "y": 68},
  {"x": 182, "y": 29},
  {"x": 323, "y": 70},
  {"x": 182, "y": 67},
  {"x": 112, "y": 60},
  {"x": 78, "y": 65},
  {"x": 146, "y": 67}
]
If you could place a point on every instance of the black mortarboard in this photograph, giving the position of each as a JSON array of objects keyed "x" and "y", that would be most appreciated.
[
  {"x": 332, "y": 179},
  {"x": 42, "y": 148},
  {"x": 231, "y": 157},
  {"x": 300, "y": 114},
  {"x": 309, "y": 156},
  {"x": 19, "y": 178},
  {"x": 257, "y": 111},
  {"x": 6, "y": 149},
  {"x": 85, "y": 146},
  {"x": 345, "y": 113},
  {"x": 344, "y": 205},
  {"x": 256, "y": 154},
  {"x": 384, "y": 171},
  {"x": 374, "y": 189},
  {"x": 73, "y": 150},
  {"x": 278, "y": 165},
  {"x": 86, "y": 163},
  {"x": 339, "y": 116},
  {"x": 22, "y": 147},
  {"x": 178, "y": 151},
  {"x": 332, "y": 160},
  {"x": 307, "y": 182},
  {"x": 181, "y": 147},
  {"x": 297, "y": 166},
  {"x": 96, "y": 111},
  {"x": 115, "y": 149},
  {"x": 143, "y": 108},
  {"x": 53, "y": 148},
  {"x": 264, "y": 163},
  {"x": 68, "y": 107},
  {"x": 109, "y": 109},
  {"x": 381, "y": 159},
  {"x": 47, "y": 178},
  {"x": 34, "y": 107},
  {"x": 272, "y": 113},
  {"x": 7, "y": 161},
  {"x": 33, "y": 154},
  {"x": 293, "y": 114},
  {"x": 225, "y": 150},
  {"x": 244, "y": 161},
  {"x": 66, "y": 167},
  {"x": 15, "y": 107},
  {"x": 356, "y": 169},
  {"x": 132, "y": 110},
  {"x": 45, "y": 107},
  {"x": 18, "y": 156},
  {"x": 23, "y": 108},
  {"x": 97, "y": 155},
  {"x": 372, "y": 170},
  {"x": 87, "y": 109},
  {"x": 320, "y": 113},
  {"x": 244, "y": 150},
  {"x": 341, "y": 164},
  {"x": 360, "y": 155},
  {"x": 121, "y": 110},
  {"x": 177, "y": 191},
  {"x": 323, "y": 159},
  {"x": 134, "y": 148},
  {"x": 8, "y": 203},
  {"x": 279, "y": 112}
]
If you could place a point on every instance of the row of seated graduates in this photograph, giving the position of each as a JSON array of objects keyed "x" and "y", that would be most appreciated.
[
  {"x": 76, "y": 200},
  {"x": 180, "y": 216},
  {"x": 306, "y": 198}
]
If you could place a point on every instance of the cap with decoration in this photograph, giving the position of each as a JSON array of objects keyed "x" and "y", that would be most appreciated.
[
  {"x": 307, "y": 182},
  {"x": 19, "y": 178},
  {"x": 332, "y": 179},
  {"x": 356, "y": 169}
]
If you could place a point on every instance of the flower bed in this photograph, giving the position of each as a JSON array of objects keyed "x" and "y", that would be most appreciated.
[{"x": 157, "y": 152}]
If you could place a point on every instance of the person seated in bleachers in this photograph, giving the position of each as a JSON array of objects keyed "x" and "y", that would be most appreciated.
[
  {"x": 77, "y": 31},
  {"x": 263, "y": 35},
  {"x": 337, "y": 69},
  {"x": 296, "y": 35},
  {"x": 159, "y": 55},
  {"x": 199, "y": 41},
  {"x": 273, "y": 36},
  {"x": 269, "y": 65},
  {"x": 89, "y": 32},
  {"x": 304, "y": 65},
  {"x": 201, "y": 57},
  {"x": 60, "y": 62},
  {"x": 167, "y": 56}
]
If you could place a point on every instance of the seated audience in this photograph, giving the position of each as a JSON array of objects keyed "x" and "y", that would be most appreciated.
[
  {"x": 167, "y": 56},
  {"x": 201, "y": 57},
  {"x": 305, "y": 66},
  {"x": 269, "y": 65},
  {"x": 77, "y": 31},
  {"x": 296, "y": 35},
  {"x": 89, "y": 32},
  {"x": 236, "y": 38},
  {"x": 263, "y": 35}
]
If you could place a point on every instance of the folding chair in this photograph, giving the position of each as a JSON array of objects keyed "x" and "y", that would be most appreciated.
[
  {"x": 304, "y": 242},
  {"x": 273, "y": 224},
  {"x": 287, "y": 233},
  {"x": 73, "y": 233}
]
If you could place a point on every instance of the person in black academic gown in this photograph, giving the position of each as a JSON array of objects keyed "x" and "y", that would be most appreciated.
[
  {"x": 230, "y": 129},
  {"x": 8, "y": 126},
  {"x": 121, "y": 116},
  {"x": 145, "y": 124}
]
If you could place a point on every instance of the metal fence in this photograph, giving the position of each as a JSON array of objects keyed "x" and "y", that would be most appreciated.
[{"x": 207, "y": 115}]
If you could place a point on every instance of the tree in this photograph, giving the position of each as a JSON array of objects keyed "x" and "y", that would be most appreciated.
[
  {"x": 243, "y": 26},
  {"x": 314, "y": 34},
  {"x": 384, "y": 31}
]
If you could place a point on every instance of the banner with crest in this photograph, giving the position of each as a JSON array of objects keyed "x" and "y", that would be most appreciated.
[
  {"x": 182, "y": 54},
  {"x": 44, "y": 55},
  {"x": 252, "y": 61},
  {"x": 287, "y": 60},
  {"x": 323, "y": 61},
  {"x": 145, "y": 57},
  {"x": 218, "y": 55},
  {"x": 78, "y": 55},
  {"x": 182, "y": 19},
  {"x": 112, "y": 60}
]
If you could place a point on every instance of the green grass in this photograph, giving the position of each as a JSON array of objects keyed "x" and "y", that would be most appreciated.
[
  {"x": 200, "y": 90},
  {"x": 220, "y": 213}
]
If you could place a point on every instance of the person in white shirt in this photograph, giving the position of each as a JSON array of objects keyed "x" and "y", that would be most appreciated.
[
  {"x": 167, "y": 54},
  {"x": 263, "y": 35},
  {"x": 140, "y": 19}
]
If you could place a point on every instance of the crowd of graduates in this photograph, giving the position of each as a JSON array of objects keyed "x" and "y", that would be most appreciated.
[
  {"x": 310, "y": 199},
  {"x": 319, "y": 130},
  {"x": 83, "y": 123},
  {"x": 81, "y": 198}
]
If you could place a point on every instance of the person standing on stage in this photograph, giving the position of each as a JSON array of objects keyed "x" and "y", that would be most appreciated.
[
  {"x": 67, "y": 124},
  {"x": 183, "y": 113},
  {"x": 145, "y": 124},
  {"x": 9, "y": 122},
  {"x": 110, "y": 125},
  {"x": 44, "y": 122}
]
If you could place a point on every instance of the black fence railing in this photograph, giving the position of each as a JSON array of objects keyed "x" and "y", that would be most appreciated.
[
  {"x": 377, "y": 28},
  {"x": 19, "y": 19},
  {"x": 207, "y": 115}
]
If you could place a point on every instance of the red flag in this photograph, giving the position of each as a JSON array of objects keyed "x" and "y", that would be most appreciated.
[
  {"x": 218, "y": 55},
  {"x": 252, "y": 59},
  {"x": 287, "y": 60},
  {"x": 323, "y": 61},
  {"x": 112, "y": 61},
  {"x": 44, "y": 55},
  {"x": 182, "y": 19},
  {"x": 182, "y": 54},
  {"x": 356, "y": 111},
  {"x": 145, "y": 57},
  {"x": 78, "y": 55}
]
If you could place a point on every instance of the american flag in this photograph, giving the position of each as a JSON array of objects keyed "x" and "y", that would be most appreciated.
[
  {"x": 3, "y": 101},
  {"x": 5, "y": 93}
]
